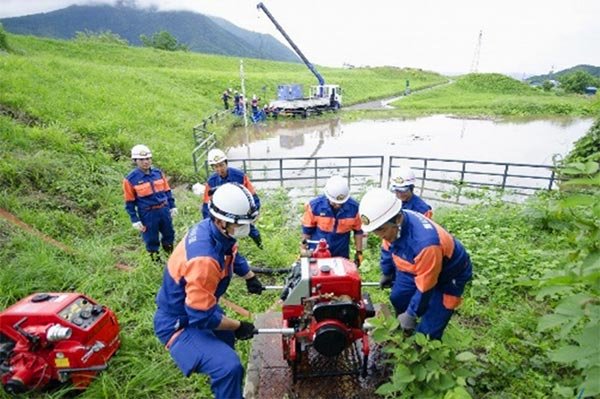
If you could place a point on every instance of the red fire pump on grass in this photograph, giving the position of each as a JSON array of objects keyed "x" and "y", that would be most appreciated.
[
  {"x": 323, "y": 308},
  {"x": 51, "y": 338}
]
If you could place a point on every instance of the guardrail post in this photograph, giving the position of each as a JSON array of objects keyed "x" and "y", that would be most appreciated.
[
  {"x": 281, "y": 172},
  {"x": 552, "y": 176},
  {"x": 504, "y": 176}
]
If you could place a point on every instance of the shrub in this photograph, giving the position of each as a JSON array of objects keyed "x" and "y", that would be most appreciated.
[
  {"x": 100, "y": 37},
  {"x": 3, "y": 40}
]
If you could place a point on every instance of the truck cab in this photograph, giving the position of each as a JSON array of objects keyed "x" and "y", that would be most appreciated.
[{"x": 333, "y": 92}]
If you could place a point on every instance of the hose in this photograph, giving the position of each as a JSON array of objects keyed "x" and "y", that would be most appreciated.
[{"x": 269, "y": 270}]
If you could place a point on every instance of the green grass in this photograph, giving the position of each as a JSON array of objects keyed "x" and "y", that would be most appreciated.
[
  {"x": 69, "y": 114},
  {"x": 497, "y": 95}
]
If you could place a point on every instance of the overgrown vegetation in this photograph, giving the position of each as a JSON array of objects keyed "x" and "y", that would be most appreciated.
[
  {"x": 577, "y": 82},
  {"x": 90, "y": 102},
  {"x": 163, "y": 40},
  {"x": 3, "y": 40},
  {"x": 100, "y": 37}
]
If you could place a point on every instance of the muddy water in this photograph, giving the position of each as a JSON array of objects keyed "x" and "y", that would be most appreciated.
[{"x": 438, "y": 136}]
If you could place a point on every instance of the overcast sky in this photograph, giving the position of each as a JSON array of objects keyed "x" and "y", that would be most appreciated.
[{"x": 518, "y": 36}]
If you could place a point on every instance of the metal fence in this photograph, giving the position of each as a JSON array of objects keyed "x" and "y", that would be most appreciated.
[
  {"x": 439, "y": 180},
  {"x": 449, "y": 180},
  {"x": 205, "y": 139},
  {"x": 308, "y": 174}
]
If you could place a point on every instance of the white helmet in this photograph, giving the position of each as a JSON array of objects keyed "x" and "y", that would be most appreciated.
[
  {"x": 233, "y": 203},
  {"x": 216, "y": 156},
  {"x": 377, "y": 207},
  {"x": 337, "y": 190},
  {"x": 404, "y": 178},
  {"x": 140, "y": 151}
]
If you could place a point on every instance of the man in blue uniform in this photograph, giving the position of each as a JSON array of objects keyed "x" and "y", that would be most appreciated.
[
  {"x": 403, "y": 184},
  {"x": 226, "y": 174},
  {"x": 149, "y": 202},
  {"x": 425, "y": 265},
  {"x": 333, "y": 216},
  {"x": 189, "y": 321}
]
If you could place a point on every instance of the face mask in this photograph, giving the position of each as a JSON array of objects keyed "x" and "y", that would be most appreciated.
[{"x": 241, "y": 231}]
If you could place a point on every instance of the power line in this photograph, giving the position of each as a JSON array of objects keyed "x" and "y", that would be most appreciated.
[{"x": 475, "y": 62}]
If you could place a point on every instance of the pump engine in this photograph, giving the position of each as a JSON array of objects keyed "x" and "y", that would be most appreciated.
[
  {"x": 50, "y": 338},
  {"x": 322, "y": 303}
]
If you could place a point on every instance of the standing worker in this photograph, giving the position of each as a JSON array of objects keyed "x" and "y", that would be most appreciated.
[
  {"x": 333, "y": 216},
  {"x": 426, "y": 267},
  {"x": 149, "y": 202},
  {"x": 189, "y": 321},
  {"x": 225, "y": 98},
  {"x": 403, "y": 185},
  {"x": 225, "y": 174}
]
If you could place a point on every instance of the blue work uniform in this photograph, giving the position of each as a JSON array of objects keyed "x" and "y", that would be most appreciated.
[
  {"x": 148, "y": 199},
  {"x": 416, "y": 204},
  {"x": 320, "y": 220},
  {"x": 197, "y": 275},
  {"x": 233, "y": 176},
  {"x": 431, "y": 270}
]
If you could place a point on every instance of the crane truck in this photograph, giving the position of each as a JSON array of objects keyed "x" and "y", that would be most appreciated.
[{"x": 290, "y": 97}]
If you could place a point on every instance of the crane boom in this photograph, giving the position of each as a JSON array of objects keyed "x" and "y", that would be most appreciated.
[{"x": 289, "y": 40}]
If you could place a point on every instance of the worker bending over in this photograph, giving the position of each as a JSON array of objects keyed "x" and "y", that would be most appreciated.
[
  {"x": 426, "y": 267},
  {"x": 189, "y": 321},
  {"x": 333, "y": 216}
]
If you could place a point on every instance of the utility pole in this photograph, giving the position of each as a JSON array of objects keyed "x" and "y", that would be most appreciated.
[{"x": 475, "y": 62}]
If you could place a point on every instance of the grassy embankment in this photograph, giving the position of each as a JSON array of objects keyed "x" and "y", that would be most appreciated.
[
  {"x": 76, "y": 110},
  {"x": 497, "y": 95}
]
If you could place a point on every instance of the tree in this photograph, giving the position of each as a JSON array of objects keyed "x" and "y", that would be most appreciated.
[
  {"x": 547, "y": 85},
  {"x": 101, "y": 37},
  {"x": 576, "y": 82},
  {"x": 163, "y": 40}
]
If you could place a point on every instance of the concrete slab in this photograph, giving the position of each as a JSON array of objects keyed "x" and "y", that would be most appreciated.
[{"x": 268, "y": 375}]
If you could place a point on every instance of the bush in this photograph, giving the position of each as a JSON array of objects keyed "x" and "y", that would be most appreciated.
[
  {"x": 3, "y": 40},
  {"x": 163, "y": 40}
]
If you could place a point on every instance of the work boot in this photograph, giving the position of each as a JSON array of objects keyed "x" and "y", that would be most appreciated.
[
  {"x": 168, "y": 248},
  {"x": 155, "y": 256},
  {"x": 258, "y": 241}
]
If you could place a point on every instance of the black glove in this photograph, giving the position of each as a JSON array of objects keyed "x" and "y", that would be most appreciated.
[
  {"x": 358, "y": 258},
  {"x": 246, "y": 330},
  {"x": 386, "y": 280},
  {"x": 254, "y": 285}
]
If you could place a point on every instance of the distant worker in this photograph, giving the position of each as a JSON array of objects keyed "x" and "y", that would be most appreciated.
[
  {"x": 236, "y": 102},
  {"x": 149, "y": 202},
  {"x": 333, "y": 216},
  {"x": 254, "y": 103},
  {"x": 225, "y": 97},
  {"x": 189, "y": 321},
  {"x": 403, "y": 185},
  {"x": 225, "y": 174},
  {"x": 426, "y": 267}
]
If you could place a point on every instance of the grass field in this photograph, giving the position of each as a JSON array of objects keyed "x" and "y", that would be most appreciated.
[{"x": 69, "y": 114}]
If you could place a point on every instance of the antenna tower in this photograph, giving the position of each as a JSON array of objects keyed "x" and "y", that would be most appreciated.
[{"x": 475, "y": 62}]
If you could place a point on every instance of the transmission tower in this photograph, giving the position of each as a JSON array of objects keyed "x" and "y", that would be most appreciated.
[{"x": 475, "y": 62}]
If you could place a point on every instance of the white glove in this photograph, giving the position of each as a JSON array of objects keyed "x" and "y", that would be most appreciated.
[
  {"x": 139, "y": 226},
  {"x": 173, "y": 212}
]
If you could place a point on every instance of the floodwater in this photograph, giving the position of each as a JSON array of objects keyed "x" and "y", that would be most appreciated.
[{"x": 533, "y": 141}]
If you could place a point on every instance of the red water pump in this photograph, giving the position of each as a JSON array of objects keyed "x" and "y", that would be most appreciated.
[
  {"x": 323, "y": 308},
  {"x": 51, "y": 338}
]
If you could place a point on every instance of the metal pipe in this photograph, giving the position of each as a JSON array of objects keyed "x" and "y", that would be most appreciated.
[
  {"x": 283, "y": 331},
  {"x": 369, "y": 284}
]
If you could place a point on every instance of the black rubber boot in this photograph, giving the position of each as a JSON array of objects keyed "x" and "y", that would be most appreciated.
[
  {"x": 258, "y": 241},
  {"x": 155, "y": 256},
  {"x": 168, "y": 248}
]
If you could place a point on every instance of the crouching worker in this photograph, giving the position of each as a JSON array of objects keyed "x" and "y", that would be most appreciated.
[
  {"x": 189, "y": 321},
  {"x": 426, "y": 267}
]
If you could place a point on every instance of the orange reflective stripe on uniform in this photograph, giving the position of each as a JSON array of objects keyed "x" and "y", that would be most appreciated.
[
  {"x": 451, "y": 302},
  {"x": 207, "y": 189},
  {"x": 143, "y": 189},
  {"x": 308, "y": 218},
  {"x": 348, "y": 224},
  {"x": 202, "y": 275},
  {"x": 164, "y": 178},
  {"x": 428, "y": 214},
  {"x": 325, "y": 223},
  {"x": 446, "y": 241},
  {"x": 428, "y": 265},
  {"x": 128, "y": 191},
  {"x": 403, "y": 265},
  {"x": 161, "y": 185},
  {"x": 249, "y": 185}
]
